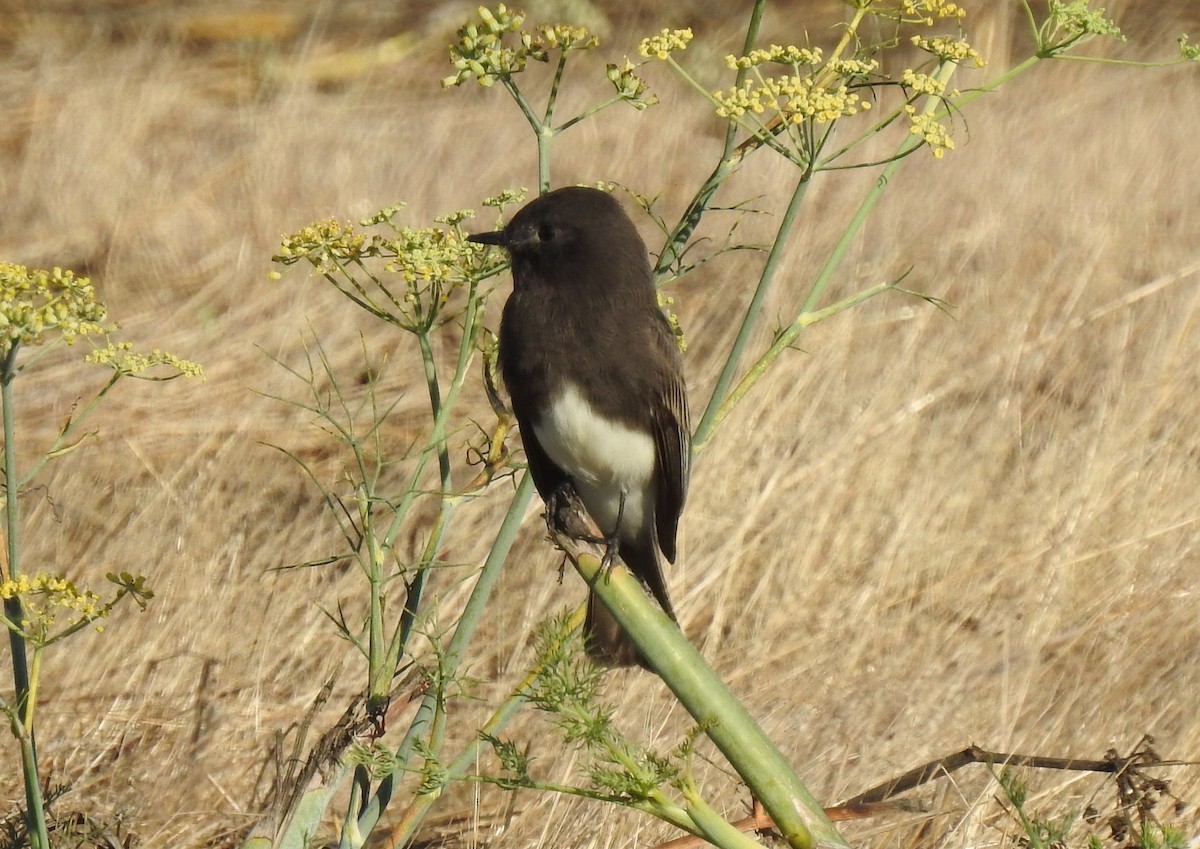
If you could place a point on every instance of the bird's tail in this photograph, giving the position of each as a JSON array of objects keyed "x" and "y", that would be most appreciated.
[{"x": 606, "y": 641}]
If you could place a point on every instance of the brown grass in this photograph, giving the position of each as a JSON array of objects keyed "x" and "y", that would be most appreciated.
[{"x": 918, "y": 533}]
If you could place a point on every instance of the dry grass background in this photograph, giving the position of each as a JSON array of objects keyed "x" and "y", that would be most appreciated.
[{"x": 920, "y": 532}]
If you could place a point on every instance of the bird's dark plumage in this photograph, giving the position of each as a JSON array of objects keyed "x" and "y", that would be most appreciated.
[{"x": 596, "y": 382}]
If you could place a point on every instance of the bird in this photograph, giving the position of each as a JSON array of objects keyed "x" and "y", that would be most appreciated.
[{"x": 596, "y": 382}]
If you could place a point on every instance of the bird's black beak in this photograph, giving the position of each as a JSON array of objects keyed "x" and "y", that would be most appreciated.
[{"x": 496, "y": 238}]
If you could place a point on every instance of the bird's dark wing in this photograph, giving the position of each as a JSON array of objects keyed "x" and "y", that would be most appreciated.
[
  {"x": 547, "y": 476},
  {"x": 527, "y": 383},
  {"x": 673, "y": 441}
]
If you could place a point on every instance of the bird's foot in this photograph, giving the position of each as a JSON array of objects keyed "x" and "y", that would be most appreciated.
[
  {"x": 564, "y": 514},
  {"x": 612, "y": 542},
  {"x": 612, "y": 547}
]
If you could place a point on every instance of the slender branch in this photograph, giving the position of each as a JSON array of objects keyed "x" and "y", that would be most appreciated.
[
  {"x": 975, "y": 755},
  {"x": 472, "y": 323},
  {"x": 471, "y": 616},
  {"x": 526, "y": 109},
  {"x": 748, "y": 43},
  {"x": 61, "y": 441},
  {"x": 23, "y": 684},
  {"x": 788, "y": 336},
  {"x": 677, "y": 239},
  {"x": 435, "y": 404},
  {"x": 545, "y": 139},
  {"x": 553, "y": 96},
  {"x": 587, "y": 113},
  {"x": 542, "y": 131},
  {"x": 379, "y": 675},
  {"x": 750, "y": 320}
]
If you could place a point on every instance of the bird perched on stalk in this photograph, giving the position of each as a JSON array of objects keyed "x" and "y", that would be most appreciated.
[{"x": 596, "y": 381}]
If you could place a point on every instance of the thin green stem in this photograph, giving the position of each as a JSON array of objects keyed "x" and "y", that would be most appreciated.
[
  {"x": 760, "y": 132},
  {"x": 750, "y": 320},
  {"x": 748, "y": 43},
  {"x": 35, "y": 816},
  {"x": 1031, "y": 18},
  {"x": 379, "y": 675},
  {"x": 23, "y": 682},
  {"x": 553, "y": 96},
  {"x": 35, "y": 671},
  {"x": 60, "y": 444},
  {"x": 421, "y": 724},
  {"x": 786, "y": 339},
  {"x": 1129, "y": 63},
  {"x": 991, "y": 85},
  {"x": 542, "y": 131},
  {"x": 472, "y": 323},
  {"x": 587, "y": 113},
  {"x": 12, "y": 481},
  {"x": 545, "y": 140},
  {"x": 678, "y": 238},
  {"x": 788, "y": 336},
  {"x": 435, "y": 404},
  {"x": 522, "y": 103}
]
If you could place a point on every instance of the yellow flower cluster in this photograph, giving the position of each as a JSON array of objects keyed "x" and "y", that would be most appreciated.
[
  {"x": 483, "y": 55},
  {"x": 34, "y": 302},
  {"x": 384, "y": 215},
  {"x": 1078, "y": 19},
  {"x": 453, "y": 219},
  {"x": 949, "y": 49},
  {"x": 665, "y": 303},
  {"x": 321, "y": 243},
  {"x": 789, "y": 55},
  {"x": 43, "y": 595},
  {"x": 1187, "y": 50},
  {"x": 506, "y": 197},
  {"x": 630, "y": 87},
  {"x": 565, "y": 37},
  {"x": 430, "y": 254},
  {"x": 661, "y": 46},
  {"x": 919, "y": 83},
  {"x": 796, "y": 99},
  {"x": 431, "y": 262},
  {"x": 850, "y": 68},
  {"x": 926, "y": 11},
  {"x": 931, "y": 130},
  {"x": 122, "y": 359}
]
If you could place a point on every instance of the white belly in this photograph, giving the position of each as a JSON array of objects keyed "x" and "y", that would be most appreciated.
[{"x": 602, "y": 456}]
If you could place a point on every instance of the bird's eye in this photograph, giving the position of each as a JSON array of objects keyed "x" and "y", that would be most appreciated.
[{"x": 545, "y": 233}]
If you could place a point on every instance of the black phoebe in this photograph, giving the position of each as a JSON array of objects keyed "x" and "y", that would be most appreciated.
[{"x": 596, "y": 382}]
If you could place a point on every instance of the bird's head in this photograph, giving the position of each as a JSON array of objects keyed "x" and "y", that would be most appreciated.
[{"x": 565, "y": 228}]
